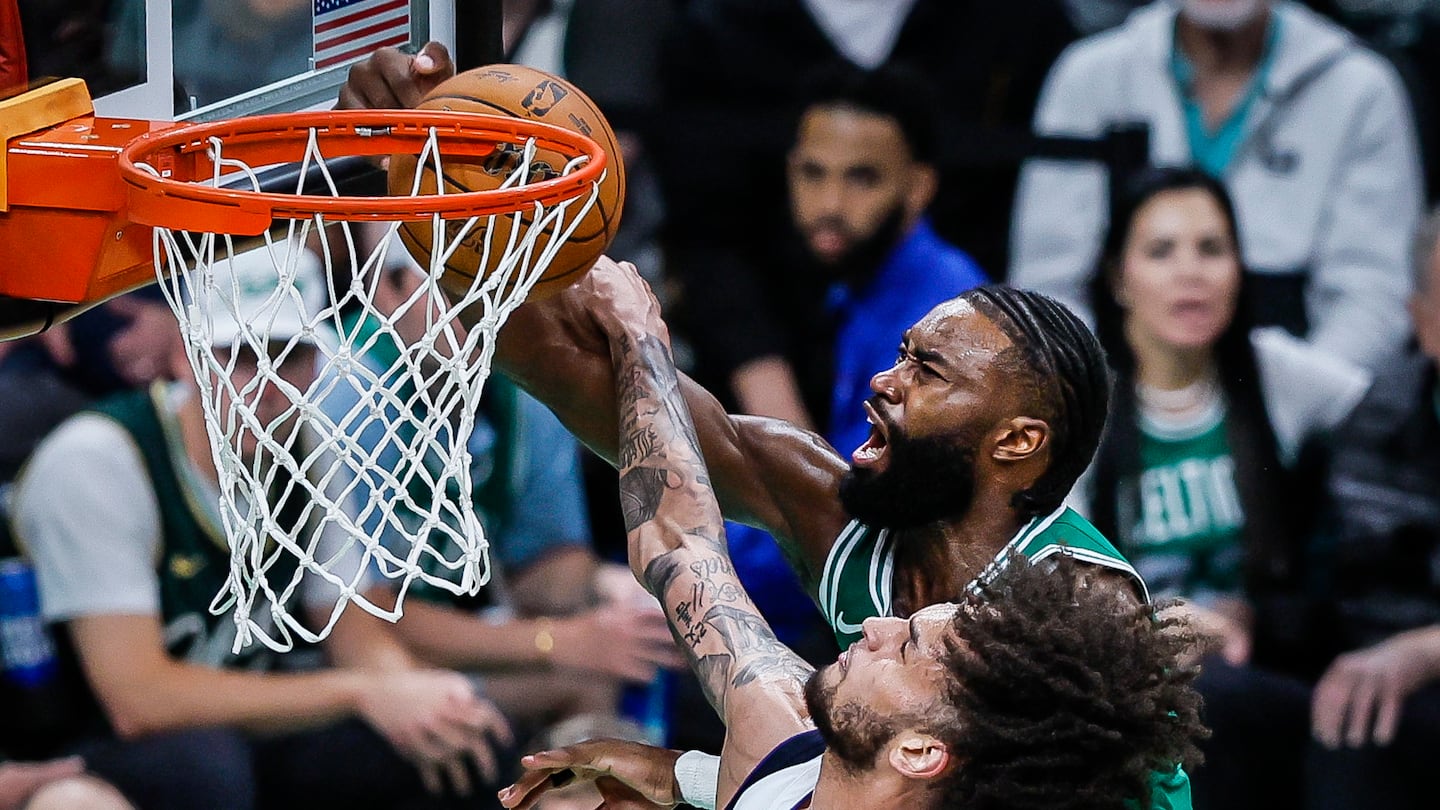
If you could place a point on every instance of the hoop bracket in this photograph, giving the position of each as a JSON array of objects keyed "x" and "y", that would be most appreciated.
[
  {"x": 45, "y": 106},
  {"x": 68, "y": 236}
]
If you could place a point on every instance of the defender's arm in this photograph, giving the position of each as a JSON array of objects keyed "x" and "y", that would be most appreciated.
[
  {"x": 765, "y": 472},
  {"x": 676, "y": 538}
]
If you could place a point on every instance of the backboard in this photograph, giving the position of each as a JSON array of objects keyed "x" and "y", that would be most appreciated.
[
  {"x": 147, "y": 63},
  {"x": 203, "y": 60}
]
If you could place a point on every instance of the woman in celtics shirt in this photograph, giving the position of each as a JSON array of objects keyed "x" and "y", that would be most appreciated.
[{"x": 1197, "y": 479}]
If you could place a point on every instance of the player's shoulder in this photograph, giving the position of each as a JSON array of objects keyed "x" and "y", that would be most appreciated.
[
  {"x": 1066, "y": 533},
  {"x": 1065, "y": 527}
]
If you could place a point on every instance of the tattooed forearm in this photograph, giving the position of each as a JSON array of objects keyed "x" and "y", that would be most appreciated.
[
  {"x": 676, "y": 536},
  {"x": 713, "y": 672},
  {"x": 761, "y": 656},
  {"x": 641, "y": 489}
]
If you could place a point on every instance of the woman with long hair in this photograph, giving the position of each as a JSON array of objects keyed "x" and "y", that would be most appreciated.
[{"x": 1197, "y": 479}]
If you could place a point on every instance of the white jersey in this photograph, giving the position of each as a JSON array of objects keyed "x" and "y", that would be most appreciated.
[{"x": 785, "y": 779}]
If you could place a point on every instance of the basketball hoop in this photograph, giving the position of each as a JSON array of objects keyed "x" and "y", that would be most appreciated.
[{"x": 301, "y": 495}]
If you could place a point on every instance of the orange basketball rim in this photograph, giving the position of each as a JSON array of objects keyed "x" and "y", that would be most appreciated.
[{"x": 81, "y": 194}]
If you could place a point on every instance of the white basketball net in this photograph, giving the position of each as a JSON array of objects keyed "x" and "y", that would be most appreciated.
[{"x": 312, "y": 500}]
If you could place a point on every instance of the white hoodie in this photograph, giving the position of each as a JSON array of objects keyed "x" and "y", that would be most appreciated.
[{"x": 1326, "y": 179}]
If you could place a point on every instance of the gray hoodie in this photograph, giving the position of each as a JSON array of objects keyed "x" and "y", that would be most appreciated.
[{"x": 1326, "y": 179}]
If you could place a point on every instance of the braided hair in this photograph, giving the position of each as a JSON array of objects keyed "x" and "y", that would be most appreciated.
[{"x": 1061, "y": 363}]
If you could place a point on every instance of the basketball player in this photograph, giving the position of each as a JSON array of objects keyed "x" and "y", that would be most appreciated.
[
  {"x": 1036, "y": 689},
  {"x": 992, "y": 410}
]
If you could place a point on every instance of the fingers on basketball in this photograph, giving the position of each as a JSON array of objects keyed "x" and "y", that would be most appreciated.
[{"x": 519, "y": 92}]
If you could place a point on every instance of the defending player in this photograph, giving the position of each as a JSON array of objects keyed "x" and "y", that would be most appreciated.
[{"x": 1042, "y": 693}]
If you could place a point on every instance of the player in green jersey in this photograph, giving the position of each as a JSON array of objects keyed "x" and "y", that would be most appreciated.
[{"x": 992, "y": 410}]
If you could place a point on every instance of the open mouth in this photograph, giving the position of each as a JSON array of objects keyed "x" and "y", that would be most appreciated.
[{"x": 873, "y": 450}]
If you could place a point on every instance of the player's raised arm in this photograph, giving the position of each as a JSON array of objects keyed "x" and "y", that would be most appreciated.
[
  {"x": 674, "y": 530},
  {"x": 766, "y": 473}
]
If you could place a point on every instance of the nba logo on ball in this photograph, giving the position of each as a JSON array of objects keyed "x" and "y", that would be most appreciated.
[{"x": 544, "y": 98}]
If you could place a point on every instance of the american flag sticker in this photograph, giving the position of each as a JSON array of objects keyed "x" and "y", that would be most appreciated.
[{"x": 349, "y": 29}]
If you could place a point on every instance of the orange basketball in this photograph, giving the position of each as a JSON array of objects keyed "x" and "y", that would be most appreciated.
[{"x": 519, "y": 92}]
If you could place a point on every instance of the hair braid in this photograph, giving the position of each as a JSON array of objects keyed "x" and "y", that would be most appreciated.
[{"x": 1064, "y": 365}]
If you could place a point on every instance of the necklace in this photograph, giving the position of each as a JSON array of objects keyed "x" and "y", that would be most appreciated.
[{"x": 1179, "y": 402}]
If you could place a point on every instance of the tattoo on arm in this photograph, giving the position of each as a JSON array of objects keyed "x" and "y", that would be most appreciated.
[
  {"x": 688, "y": 569},
  {"x": 754, "y": 642},
  {"x": 640, "y": 491},
  {"x": 709, "y": 611}
]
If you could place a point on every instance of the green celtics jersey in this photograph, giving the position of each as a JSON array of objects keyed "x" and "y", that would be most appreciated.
[
  {"x": 856, "y": 582},
  {"x": 1187, "y": 532},
  {"x": 194, "y": 556},
  {"x": 856, "y": 585}
]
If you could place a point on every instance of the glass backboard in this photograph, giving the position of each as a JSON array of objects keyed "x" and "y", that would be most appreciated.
[{"x": 208, "y": 59}]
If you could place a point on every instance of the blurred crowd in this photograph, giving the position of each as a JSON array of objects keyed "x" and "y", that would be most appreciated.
[{"x": 1233, "y": 193}]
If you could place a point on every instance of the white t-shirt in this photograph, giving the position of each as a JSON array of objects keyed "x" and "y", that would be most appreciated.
[{"x": 88, "y": 518}]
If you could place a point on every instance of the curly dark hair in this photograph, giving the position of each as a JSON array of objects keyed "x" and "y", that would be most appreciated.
[{"x": 1068, "y": 694}]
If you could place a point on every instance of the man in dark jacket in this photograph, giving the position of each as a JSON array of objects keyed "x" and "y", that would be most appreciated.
[{"x": 1376, "y": 711}]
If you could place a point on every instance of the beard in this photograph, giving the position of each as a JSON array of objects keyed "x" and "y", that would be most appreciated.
[
  {"x": 868, "y": 253},
  {"x": 927, "y": 480},
  {"x": 1221, "y": 15},
  {"x": 854, "y": 733}
]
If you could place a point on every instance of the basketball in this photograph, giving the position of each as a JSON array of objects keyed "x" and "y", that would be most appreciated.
[{"x": 519, "y": 92}]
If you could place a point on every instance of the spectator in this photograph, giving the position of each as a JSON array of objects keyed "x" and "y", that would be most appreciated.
[
  {"x": 119, "y": 510},
  {"x": 866, "y": 263},
  {"x": 561, "y": 619},
  {"x": 733, "y": 73},
  {"x": 1376, "y": 712},
  {"x": 1192, "y": 479},
  {"x": 1310, "y": 130}
]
